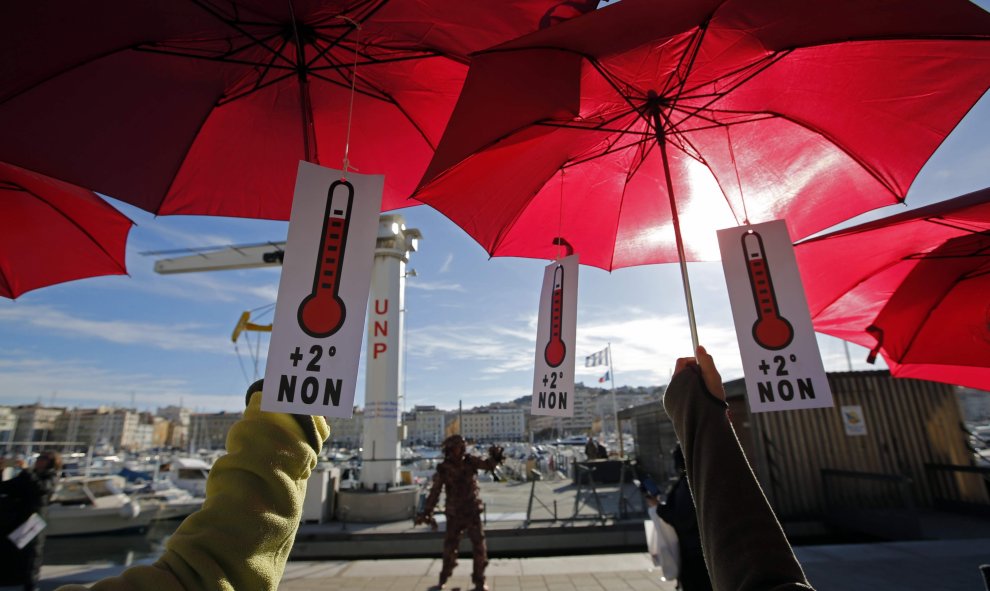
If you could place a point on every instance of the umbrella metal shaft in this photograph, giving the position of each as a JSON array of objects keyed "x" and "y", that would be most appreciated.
[{"x": 681, "y": 256}]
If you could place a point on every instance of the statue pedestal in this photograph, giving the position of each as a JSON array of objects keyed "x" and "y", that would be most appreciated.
[{"x": 361, "y": 506}]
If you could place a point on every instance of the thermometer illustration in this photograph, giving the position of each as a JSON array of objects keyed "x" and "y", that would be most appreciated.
[
  {"x": 322, "y": 312},
  {"x": 554, "y": 352},
  {"x": 771, "y": 330}
]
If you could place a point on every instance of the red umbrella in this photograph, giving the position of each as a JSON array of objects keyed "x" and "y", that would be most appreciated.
[
  {"x": 743, "y": 111},
  {"x": 914, "y": 287},
  {"x": 52, "y": 232},
  {"x": 206, "y": 106}
]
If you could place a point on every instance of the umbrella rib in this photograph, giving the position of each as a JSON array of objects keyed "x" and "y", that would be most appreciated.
[
  {"x": 265, "y": 70},
  {"x": 857, "y": 283},
  {"x": 375, "y": 61},
  {"x": 76, "y": 224},
  {"x": 225, "y": 100},
  {"x": 185, "y": 151},
  {"x": 611, "y": 150},
  {"x": 756, "y": 68},
  {"x": 594, "y": 127},
  {"x": 722, "y": 124},
  {"x": 65, "y": 70},
  {"x": 504, "y": 230},
  {"x": 209, "y": 58},
  {"x": 384, "y": 97},
  {"x": 693, "y": 52},
  {"x": 5, "y": 283},
  {"x": 610, "y": 79},
  {"x": 940, "y": 221},
  {"x": 236, "y": 25},
  {"x": 369, "y": 93},
  {"x": 869, "y": 169},
  {"x": 916, "y": 330},
  {"x": 698, "y": 157},
  {"x": 233, "y": 49},
  {"x": 350, "y": 29}
]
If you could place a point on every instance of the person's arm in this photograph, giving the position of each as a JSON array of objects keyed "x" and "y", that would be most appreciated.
[
  {"x": 434, "y": 497},
  {"x": 496, "y": 455},
  {"x": 242, "y": 536},
  {"x": 744, "y": 545}
]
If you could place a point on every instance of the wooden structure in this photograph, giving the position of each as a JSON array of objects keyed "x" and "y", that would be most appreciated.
[{"x": 901, "y": 447}]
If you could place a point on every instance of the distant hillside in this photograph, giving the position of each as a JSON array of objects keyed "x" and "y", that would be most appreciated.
[{"x": 625, "y": 396}]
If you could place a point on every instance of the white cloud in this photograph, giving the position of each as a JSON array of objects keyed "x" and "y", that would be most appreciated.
[
  {"x": 181, "y": 337},
  {"x": 434, "y": 285},
  {"x": 70, "y": 383},
  {"x": 501, "y": 349},
  {"x": 645, "y": 347},
  {"x": 219, "y": 286}
]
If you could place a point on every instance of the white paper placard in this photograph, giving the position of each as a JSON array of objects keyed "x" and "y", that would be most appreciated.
[
  {"x": 556, "y": 332},
  {"x": 781, "y": 361},
  {"x": 315, "y": 346},
  {"x": 27, "y": 531}
]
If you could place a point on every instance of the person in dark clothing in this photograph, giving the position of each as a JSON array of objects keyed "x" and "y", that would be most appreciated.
[
  {"x": 745, "y": 547},
  {"x": 591, "y": 449},
  {"x": 678, "y": 510},
  {"x": 21, "y": 497}
]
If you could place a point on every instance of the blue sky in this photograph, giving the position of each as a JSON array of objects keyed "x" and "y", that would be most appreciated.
[{"x": 471, "y": 322}]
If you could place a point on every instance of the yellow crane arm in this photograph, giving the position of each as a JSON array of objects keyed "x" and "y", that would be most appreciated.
[{"x": 244, "y": 323}]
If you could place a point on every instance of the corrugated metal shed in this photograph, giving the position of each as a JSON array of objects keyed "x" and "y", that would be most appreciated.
[{"x": 811, "y": 462}]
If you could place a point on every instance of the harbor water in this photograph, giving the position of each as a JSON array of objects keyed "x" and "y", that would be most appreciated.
[{"x": 110, "y": 549}]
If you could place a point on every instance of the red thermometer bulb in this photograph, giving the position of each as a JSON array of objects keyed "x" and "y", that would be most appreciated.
[
  {"x": 771, "y": 330},
  {"x": 322, "y": 312},
  {"x": 554, "y": 352}
]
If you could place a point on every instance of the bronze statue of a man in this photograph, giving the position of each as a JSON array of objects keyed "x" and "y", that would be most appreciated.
[{"x": 458, "y": 473}]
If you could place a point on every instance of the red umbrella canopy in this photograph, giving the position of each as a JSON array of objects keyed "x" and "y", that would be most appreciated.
[
  {"x": 913, "y": 287},
  {"x": 810, "y": 111},
  {"x": 52, "y": 232},
  {"x": 206, "y": 106}
]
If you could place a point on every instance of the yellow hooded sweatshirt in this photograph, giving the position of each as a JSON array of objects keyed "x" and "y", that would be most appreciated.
[{"x": 241, "y": 538}]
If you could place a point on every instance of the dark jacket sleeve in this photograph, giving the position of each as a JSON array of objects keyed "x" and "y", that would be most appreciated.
[{"x": 744, "y": 545}]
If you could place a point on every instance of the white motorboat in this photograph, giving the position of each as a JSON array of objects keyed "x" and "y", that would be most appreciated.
[
  {"x": 163, "y": 501},
  {"x": 188, "y": 473},
  {"x": 85, "y": 505}
]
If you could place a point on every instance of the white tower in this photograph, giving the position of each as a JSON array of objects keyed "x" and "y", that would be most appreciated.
[{"x": 381, "y": 440}]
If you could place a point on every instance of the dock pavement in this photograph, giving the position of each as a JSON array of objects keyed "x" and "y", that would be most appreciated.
[
  {"x": 940, "y": 565},
  {"x": 329, "y": 556}
]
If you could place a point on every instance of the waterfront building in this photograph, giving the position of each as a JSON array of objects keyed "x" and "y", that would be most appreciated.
[
  {"x": 8, "y": 426},
  {"x": 508, "y": 424},
  {"x": 113, "y": 428},
  {"x": 493, "y": 425},
  {"x": 35, "y": 423},
  {"x": 209, "y": 430},
  {"x": 178, "y": 425},
  {"x": 347, "y": 432},
  {"x": 425, "y": 425}
]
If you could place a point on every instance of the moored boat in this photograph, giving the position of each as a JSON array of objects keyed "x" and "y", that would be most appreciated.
[{"x": 85, "y": 505}]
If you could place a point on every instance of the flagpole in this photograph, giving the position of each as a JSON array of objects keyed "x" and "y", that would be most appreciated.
[{"x": 615, "y": 408}]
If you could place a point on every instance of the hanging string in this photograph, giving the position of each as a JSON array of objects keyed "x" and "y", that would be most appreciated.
[
  {"x": 350, "y": 107},
  {"x": 241, "y": 363},
  {"x": 735, "y": 168},
  {"x": 560, "y": 217}
]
